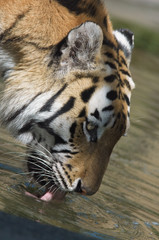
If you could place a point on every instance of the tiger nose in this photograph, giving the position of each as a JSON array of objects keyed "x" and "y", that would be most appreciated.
[{"x": 80, "y": 188}]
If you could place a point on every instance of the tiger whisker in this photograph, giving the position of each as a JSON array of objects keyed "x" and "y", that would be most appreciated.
[
  {"x": 42, "y": 161},
  {"x": 44, "y": 186},
  {"x": 31, "y": 148},
  {"x": 43, "y": 154},
  {"x": 44, "y": 149}
]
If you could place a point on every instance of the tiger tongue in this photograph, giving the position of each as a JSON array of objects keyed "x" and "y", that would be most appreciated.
[{"x": 48, "y": 196}]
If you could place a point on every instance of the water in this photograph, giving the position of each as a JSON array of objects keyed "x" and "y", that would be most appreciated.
[{"x": 127, "y": 204}]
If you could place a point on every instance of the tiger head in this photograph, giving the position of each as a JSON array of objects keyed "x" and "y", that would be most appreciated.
[{"x": 72, "y": 125}]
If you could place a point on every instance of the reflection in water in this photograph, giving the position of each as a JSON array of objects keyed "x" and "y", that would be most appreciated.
[{"x": 127, "y": 204}]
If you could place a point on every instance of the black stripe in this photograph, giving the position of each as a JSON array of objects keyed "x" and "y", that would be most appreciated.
[
  {"x": 40, "y": 139},
  {"x": 96, "y": 114},
  {"x": 68, "y": 156},
  {"x": 79, "y": 76},
  {"x": 110, "y": 78},
  {"x": 109, "y": 55},
  {"x": 127, "y": 99},
  {"x": 90, "y": 9},
  {"x": 112, "y": 95},
  {"x": 8, "y": 30},
  {"x": 123, "y": 115},
  {"x": 3, "y": 73},
  {"x": 108, "y": 108},
  {"x": 56, "y": 52},
  {"x": 61, "y": 178},
  {"x": 106, "y": 123},
  {"x": 71, "y": 5},
  {"x": 48, "y": 104},
  {"x": 73, "y": 129},
  {"x": 67, "y": 174},
  {"x": 14, "y": 39},
  {"x": 127, "y": 84},
  {"x": 13, "y": 116},
  {"x": 82, "y": 113},
  {"x": 26, "y": 127},
  {"x": 112, "y": 65},
  {"x": 86, "y": 94},
  {"x": 69, "y": 166},
  {"x": 123, "y": 61},
  {"x": 105, "y": 22},
  {"x": 119, "y": 115},
  {"x": 95, "y": 79},
  {"x": 58, "y": 139},
  {"x": 22, "y": 39},
  {"x": 109, "y": 44},
  {"x": 122, "y": 128},
  {"x": 67, "y": 107},
  {"x": 125, "y": 72},
  {"x": 79, "y": 6},
  {"x": 64, "y": 151},
  {"x": 84, "y": 75},
  {"x": 36, "y": 45},
  {"x": 114, "y": 123}
]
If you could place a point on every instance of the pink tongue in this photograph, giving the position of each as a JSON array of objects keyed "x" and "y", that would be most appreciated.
[{"x": 48, "y": 196}]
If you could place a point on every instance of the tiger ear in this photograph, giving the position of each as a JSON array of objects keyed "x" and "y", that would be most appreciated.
[
  {"x": 125, "y": 39},
  {"x": 82, "y": 48}
]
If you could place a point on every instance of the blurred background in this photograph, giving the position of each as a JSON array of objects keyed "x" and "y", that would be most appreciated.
[
  {"x": 127, "y": 204},
  {"x": 143, "y": 12},
  {"x": 142, "y": 17}
]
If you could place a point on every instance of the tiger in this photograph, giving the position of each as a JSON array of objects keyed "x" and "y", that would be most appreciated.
[{"x": 66, "y": 89}]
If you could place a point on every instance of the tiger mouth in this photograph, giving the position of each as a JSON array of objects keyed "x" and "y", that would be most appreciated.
[
  {"x": 55, "y": 194},
  {"x": 38, "y": 171},
  {"x": 51, "y": 192},
  {"x": 42, "y": 174}
]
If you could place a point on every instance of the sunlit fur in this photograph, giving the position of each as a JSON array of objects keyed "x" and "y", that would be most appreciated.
[{"x": 67, "y": 87}]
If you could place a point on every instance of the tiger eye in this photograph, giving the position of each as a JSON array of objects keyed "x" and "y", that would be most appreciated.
[{"x": 91, "y": 126}]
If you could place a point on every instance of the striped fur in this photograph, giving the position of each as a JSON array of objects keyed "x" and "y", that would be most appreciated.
[{"x": 67, "y": 87}]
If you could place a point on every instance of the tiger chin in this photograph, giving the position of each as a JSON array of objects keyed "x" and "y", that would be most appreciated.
[{"x": 66, "y": 89}]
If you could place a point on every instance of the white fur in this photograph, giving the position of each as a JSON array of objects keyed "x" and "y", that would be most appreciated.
[
  {"x": 99, "y": 101},
  {"x": 60, "y": 169},
  {"x": 57, "y": 175},
  {"x": 31, "y": 112},
  {"x": 25, "y": 138},
  {"x": 74, "y": 184},
  {"x": 131, "y": 82},
  {"x": 109, "y": 70},
  {"x": 123, "y": 40}
]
